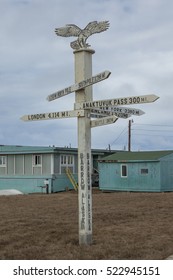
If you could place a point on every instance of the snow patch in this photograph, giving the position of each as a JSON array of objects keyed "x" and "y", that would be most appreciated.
[{"x": 10, "y": 192}]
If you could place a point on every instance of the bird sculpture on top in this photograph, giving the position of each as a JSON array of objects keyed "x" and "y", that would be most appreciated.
[{"x": 82, "y": 34}]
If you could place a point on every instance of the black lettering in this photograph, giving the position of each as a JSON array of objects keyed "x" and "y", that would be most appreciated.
[
  {"x": 60, "y": 93},
  {"x": 15, "y": 272},
  {"x": 80, "y": 85}
]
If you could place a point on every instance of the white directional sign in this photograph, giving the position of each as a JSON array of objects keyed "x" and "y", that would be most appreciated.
[
  {"x": 117, "y": 101},
  {"x": 100, "y": 112},
  {"x": 103, "y": 121},
  {"x": 97, "y": 115},
  {"x": 85, "y": 83},
  {"x": 53, "y": 115},
  {"x": 124, "y": 110}
]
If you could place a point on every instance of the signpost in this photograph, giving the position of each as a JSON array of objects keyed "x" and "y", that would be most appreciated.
[
  {"x": 53, "y": 115},
  {"x": 84, "y": 109},
  {"x": 125, "y": 110},
  {"x": 140, "y": 99},
  {"x": 100, "y": 112},
  {"x": 83, "y": 84},
  {"x": 103, "y": 121},
  {"x": 83, "y": 70},
  {"x": 97, "y": 115}
]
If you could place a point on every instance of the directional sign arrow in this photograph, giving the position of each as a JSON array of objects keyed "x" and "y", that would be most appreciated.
[
  {"x": 97, "y": 115},
  {"x": 100, "y": 112},
  {"x": 53, "y": 115},
  {"x": 125, "y": 110},
  {"x": 85, "y": 83},
  {"x": 117, "y": 101},
  {"x": 103, "y": 121}
]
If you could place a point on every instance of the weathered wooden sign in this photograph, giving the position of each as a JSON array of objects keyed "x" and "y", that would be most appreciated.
[
  {"x": 101, "y": 112},
  {"x": 85, "y": 83},
  {"x": 53, "y": 115},
  {"x": 97, "y": 115},
  {"x": 103, "y": 121},
  {"x": 125, "y": 110},
  {"x": 117, "y": 101}
]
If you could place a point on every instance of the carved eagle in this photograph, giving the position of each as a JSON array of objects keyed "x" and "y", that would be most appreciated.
[{"x": 82, "y": 34}]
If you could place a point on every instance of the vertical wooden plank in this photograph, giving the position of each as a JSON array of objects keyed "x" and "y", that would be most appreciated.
[{"x": 83, "y": 70}]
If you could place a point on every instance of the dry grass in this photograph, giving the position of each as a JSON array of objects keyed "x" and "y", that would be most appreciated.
[{"x": 125, "y": 226}]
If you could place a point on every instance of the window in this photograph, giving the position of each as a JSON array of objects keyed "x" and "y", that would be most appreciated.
[
  {"x": 144, "y": 171},
  {"x": 67, "y": 161},
  {"x": 37, "y": 160},
  {"x": 2, "y": 161},
  {"x": 123, "y": 170}
]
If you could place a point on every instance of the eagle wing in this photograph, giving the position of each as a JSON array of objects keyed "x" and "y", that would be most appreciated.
[
  {"x": 97, "y": 27},
  {"x": 68, "y": 30}
]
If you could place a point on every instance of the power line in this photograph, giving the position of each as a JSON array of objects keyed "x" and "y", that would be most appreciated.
[
  {"x": 160, "y": 130},
  {"x": 150, "y": 124},
  {"x": 136, "y": 129},
  {"x": 146, "y": 134},
  {"x": 122, "y": 132}
]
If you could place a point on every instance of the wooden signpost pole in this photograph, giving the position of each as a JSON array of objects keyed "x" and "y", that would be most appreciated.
[
  {"x": 83, "y": 70},
  {"x": 84, "y": 109}
]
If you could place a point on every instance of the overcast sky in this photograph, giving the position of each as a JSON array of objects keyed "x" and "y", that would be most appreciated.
[{"x": 137, "y": 49}]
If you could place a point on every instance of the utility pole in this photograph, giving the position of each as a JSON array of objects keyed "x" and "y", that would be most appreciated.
[{"x": 129, "y": 135}]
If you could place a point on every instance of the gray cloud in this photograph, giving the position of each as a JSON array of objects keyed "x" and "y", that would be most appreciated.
[{"x": 137, "y": 49}]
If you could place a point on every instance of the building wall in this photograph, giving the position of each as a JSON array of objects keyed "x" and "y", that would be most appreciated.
[
  {"x": 76, "y": 164},
  {"x": 166, "y": 168},
  {"x": 19, "y": 164},
  {"x": 25, "y": 184},
  {"x": 22, "y": 174},
  {"x": 35, "y": 184},
  {"x": 60, "y": 180},
  {"x": 10, "y": 165},
  {"x": 20, "y": 171},
  {"x": 28, "y": 164},
  {"x": 62, "y": 183},
  {"x": 110, "y": 177},
  {"x": 23, "y": 165}
]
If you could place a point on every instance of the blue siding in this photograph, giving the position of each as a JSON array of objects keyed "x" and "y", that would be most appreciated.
[
  {"x": 20, "y": 173},
  {"x": 34, "y": 184},
  {"x": 25, "y": 184},
  {"x": 166, "y": 164},
  {"x": 61, "y": 183},
  {"x": 110, "y": 177}
]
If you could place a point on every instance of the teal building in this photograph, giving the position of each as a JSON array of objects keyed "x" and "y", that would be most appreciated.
[
  {"x": 137, "y": 171},
  {"x": 32, "y": 169}
]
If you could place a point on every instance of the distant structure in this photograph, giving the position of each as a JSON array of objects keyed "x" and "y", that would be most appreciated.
[
  {"x": 147, "y": 171},
  {"x": 26, "y": 168},
  {"x": 82, "y": 34}
]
